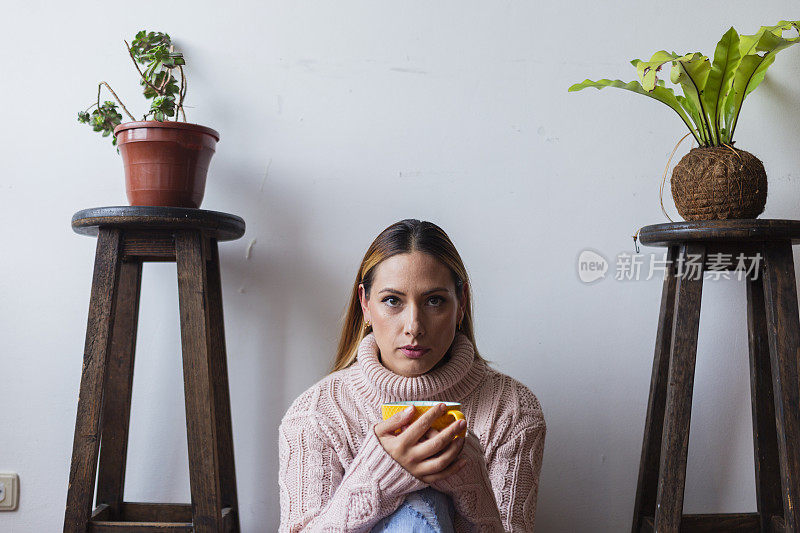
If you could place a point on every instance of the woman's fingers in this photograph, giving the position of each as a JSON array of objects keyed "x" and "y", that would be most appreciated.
[
  {"x": 418, "y": 447},
  {"x": 422, "y": 424},
  {"x": 395, "y": 422},
  {"x": 434, "y": 445},
  {"x": 428, "y": 434},
  {"x": 439, "y": 462},
  {"x": 454, "y": 467}
]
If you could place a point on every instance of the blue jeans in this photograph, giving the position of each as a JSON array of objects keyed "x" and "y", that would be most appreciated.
[{"x": 423, "y": 511}]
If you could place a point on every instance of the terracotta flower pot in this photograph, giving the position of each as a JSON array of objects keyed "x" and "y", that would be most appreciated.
[{"x": 165, "y": 162}]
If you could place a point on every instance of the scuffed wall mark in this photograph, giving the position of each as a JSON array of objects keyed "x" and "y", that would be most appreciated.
[
  {"x": 541, "y": 132},
  {"x": 249, "y": 249},
  {"x": 308, "y": 64},
  {"x": 241, "y": 290},
  {"x": 266, "y": 175},
  {"x": 411, "y": 174},
  {"x": 409, "y": 70}
]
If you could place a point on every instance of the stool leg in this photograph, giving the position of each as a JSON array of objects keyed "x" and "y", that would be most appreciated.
[
  {"x": 201, "y": 423},
  {"x": 783, "y": 329},
  {"x": 219, "y": 369},
  {"x": 765, "y": 438},
  {"x": 654, "y": 423},
  {"x": 675, "y": 440},
  {"x": 98, "y": 343},
  {"x": 117, "y": 401}
]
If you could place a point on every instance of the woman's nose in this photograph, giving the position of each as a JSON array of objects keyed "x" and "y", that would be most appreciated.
[{"x": 413, "y": 322}]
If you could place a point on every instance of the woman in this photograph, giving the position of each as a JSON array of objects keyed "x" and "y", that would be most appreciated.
[{"x": 408, "y": 335}]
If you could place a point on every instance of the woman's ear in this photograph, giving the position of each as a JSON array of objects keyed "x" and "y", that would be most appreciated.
[{"x": 362, "y": 298}]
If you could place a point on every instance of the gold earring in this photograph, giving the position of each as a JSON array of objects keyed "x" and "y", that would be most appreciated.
[{"x": 366, "y": 323}]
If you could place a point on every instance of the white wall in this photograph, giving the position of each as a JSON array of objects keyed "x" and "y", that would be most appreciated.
[{"x": 336, "y": 120}]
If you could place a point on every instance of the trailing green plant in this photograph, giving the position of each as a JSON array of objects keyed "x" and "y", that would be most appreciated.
[
  {"x": 713, "y": 92},
  {"x": 154, "y": 51}
]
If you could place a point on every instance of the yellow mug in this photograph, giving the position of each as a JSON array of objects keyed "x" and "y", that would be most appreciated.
[{"x": 452, "y": 415}]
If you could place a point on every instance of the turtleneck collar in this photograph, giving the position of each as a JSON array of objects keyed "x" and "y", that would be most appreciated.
[{"x": 452, "y": 381}]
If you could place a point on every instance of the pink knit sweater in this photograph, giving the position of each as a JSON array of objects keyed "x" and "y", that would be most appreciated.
[{"x": 335, "y": 475}]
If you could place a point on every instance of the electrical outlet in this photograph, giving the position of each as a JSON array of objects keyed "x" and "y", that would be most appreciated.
[{"x": 9, "y": 492}]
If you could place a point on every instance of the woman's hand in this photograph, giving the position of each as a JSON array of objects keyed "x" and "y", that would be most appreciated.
[
  {"x": 428, "y": 454},
  {"x": 473, "y": 469}
]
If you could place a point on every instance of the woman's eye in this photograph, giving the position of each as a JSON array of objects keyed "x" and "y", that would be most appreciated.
[
  {"x": 392, "y": 301},
  {"x": 389, "y": 298}
]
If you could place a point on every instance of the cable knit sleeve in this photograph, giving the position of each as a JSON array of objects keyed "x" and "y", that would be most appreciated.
[
  {"x": 318, "y": 493},
  {"x": 497, "y": 490},
  {"x": 515, "y": 474}
]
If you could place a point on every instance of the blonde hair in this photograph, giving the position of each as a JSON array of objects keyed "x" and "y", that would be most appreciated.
[{"x": 406, "y": 236}]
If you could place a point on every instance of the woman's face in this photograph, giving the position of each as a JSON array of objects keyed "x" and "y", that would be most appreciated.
[{"x": 412, "y": 302}]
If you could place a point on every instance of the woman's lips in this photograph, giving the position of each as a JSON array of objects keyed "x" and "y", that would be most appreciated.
[{"x": 414, "y": 354}]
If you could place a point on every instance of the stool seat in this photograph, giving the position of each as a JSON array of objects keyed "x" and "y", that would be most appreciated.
[
  {"x": 774, "y": 346},
  {"x": 128, "y": 236},
  {"x": 740, "y": 230},
  {"x": 220, "y": 226}
]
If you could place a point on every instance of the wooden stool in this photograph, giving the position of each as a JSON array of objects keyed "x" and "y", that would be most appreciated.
[
  {"x": 774, "y": 339},
  {"x": 128, "y": 236}
]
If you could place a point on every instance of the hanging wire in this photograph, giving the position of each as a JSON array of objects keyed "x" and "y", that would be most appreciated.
[{"x": 661, "y": 191}]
